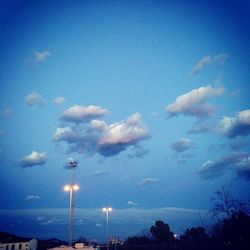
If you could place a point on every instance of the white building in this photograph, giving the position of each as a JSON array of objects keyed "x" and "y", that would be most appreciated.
[
  {"x": 78, "y": 246},
  {"x": 19, "y": 245}
]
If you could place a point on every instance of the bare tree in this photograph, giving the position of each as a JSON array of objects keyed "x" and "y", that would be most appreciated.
[{"x": 224, "y": 204}]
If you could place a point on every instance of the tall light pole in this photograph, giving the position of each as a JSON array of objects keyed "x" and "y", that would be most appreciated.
[
  {"x": 71, "y": 189},
  {"x": 71, "y": 164},
  {"x": 107, "y": 210}
]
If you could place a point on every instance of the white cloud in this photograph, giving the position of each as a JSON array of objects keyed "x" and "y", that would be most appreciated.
[
  {"x": 239, "y": 125},
  {"x": 98, "y": 125},
  {"x": 41, "y": 56},
  {"x": 132, "y": 203},
  {"x": 124, "y": 132},
  {"x": 98, "y": 137},
  {"x": 33, "y": 197},
  {"x": 78, "y": 113},
  {"x": 33, "y": 159},
  {"x": 118, "y": 136},
  {"x": 193, "y": 103},
  {"x": 34, "y": 99},
  {"x": 148, "y": 181},
  {"x": 59, "y": 100},
  {"x": 182, "y": 145},
  {"x": 208, "y": 60},
  {"x": 67, "y": 134},
  {"x": 203, "y": 62}
]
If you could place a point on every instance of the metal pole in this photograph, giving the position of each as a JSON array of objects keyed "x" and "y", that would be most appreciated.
[
  {"x": 71, "y": 216},
  {"x": 107, "y": 218}
]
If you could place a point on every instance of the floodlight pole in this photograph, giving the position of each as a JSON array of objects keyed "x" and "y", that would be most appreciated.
[
  {"x": 107, "y": 210},
  {"x": 71, "y": 215},
  {"x": 71, "y": 188}
]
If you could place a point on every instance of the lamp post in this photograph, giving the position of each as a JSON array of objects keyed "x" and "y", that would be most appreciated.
[
  {"x": 107, "y": 210},
  {"x": 71, "y": 189}
]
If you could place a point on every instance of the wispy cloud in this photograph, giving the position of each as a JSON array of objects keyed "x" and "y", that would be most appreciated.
[
  {"x": 131, "y": 219},
  {"x": 194, "y": 103},
  {"x": 148, "y": 181},
  {"x": 201, "y": 64},
  {"x": 138, "y": 152},
  {"x": 7, "y": 113},
  {"x": 131, "y": 203},
  {"x": 34, "y": 159},
  {"x": 60, "y": 100},
  {"x": 238, "y": 162},
  {"x": 41, "y": 56},
  {"x": 207, "y": 60},
  {"x": 96, "y": 136},
  {"x": 102, "y": 172},
  {"x": 239, "y": 125},
  {"x": 33, "y": 197},
  {"x": 182, "y": 145},
  {"x": 200, "y": 127},
  {"x": 220, "y": 58},
  {"x": 78, "y": 113},
  {"x": 35, "y": 99}
]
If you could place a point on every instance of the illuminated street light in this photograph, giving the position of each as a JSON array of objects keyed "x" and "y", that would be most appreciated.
[
  {"x": 70, "y": 189},
  {"x": 107, "y": 210}
]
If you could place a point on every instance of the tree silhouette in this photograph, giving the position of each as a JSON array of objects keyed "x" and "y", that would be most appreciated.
[
  {"x": 224, "y": 204},
  {"x": 161, "y": 232},
  {"x": 234, "y": 233},
  {"x": 195, "y": 238}
]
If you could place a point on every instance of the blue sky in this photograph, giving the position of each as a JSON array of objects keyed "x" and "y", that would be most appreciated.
[{"x": 150, "y": 97}]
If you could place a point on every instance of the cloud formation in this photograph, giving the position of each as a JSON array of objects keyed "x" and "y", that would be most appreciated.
[
  {"x": 239, "y": 162},
  {"x": 239, "y": 125},
  {"x": 101, "y": 173},
  {"x": 33, "y": 197},
  {"x": 132, "y": 203},
  {"x": 148, "y": 181},
  {"x": 34, "y": 159},
  {"x": 207, "y": 60},
  {"x": 131, "y": 219},
  {"x": 182, "y": 145},
  {"x": 59, "y": 100},
  {"x": 35, "y": 99},
  {"x": 220, "y": 58},
  {"x": 194, "y": 103},
  {"x": 7, "y": 113},
  {"x": 96, "y": 136},
  {"x": 41, "y": 56},
  {"x": 203, "y": 62},
  {"x": 78, "y": 113},
  {"x": 138, "y": 152},
  {"x": 201, "y": 127}
]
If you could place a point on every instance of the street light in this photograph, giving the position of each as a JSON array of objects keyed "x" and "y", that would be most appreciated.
[
  {"x": 107, "y": 210},
  {"x": 71, "y": 189}
]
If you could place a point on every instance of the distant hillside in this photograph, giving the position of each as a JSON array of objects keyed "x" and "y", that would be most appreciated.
[
  {"x": 42, "y": 244},
  {"x": 50, "y": 243},
  {"x": 8, "y": 237}
]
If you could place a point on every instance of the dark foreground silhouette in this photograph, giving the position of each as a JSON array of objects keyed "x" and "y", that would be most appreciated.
[{"x": 230, "y": 234}]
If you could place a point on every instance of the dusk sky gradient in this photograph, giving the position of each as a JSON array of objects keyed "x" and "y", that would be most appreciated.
[{"x": 151, "y": 98}]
